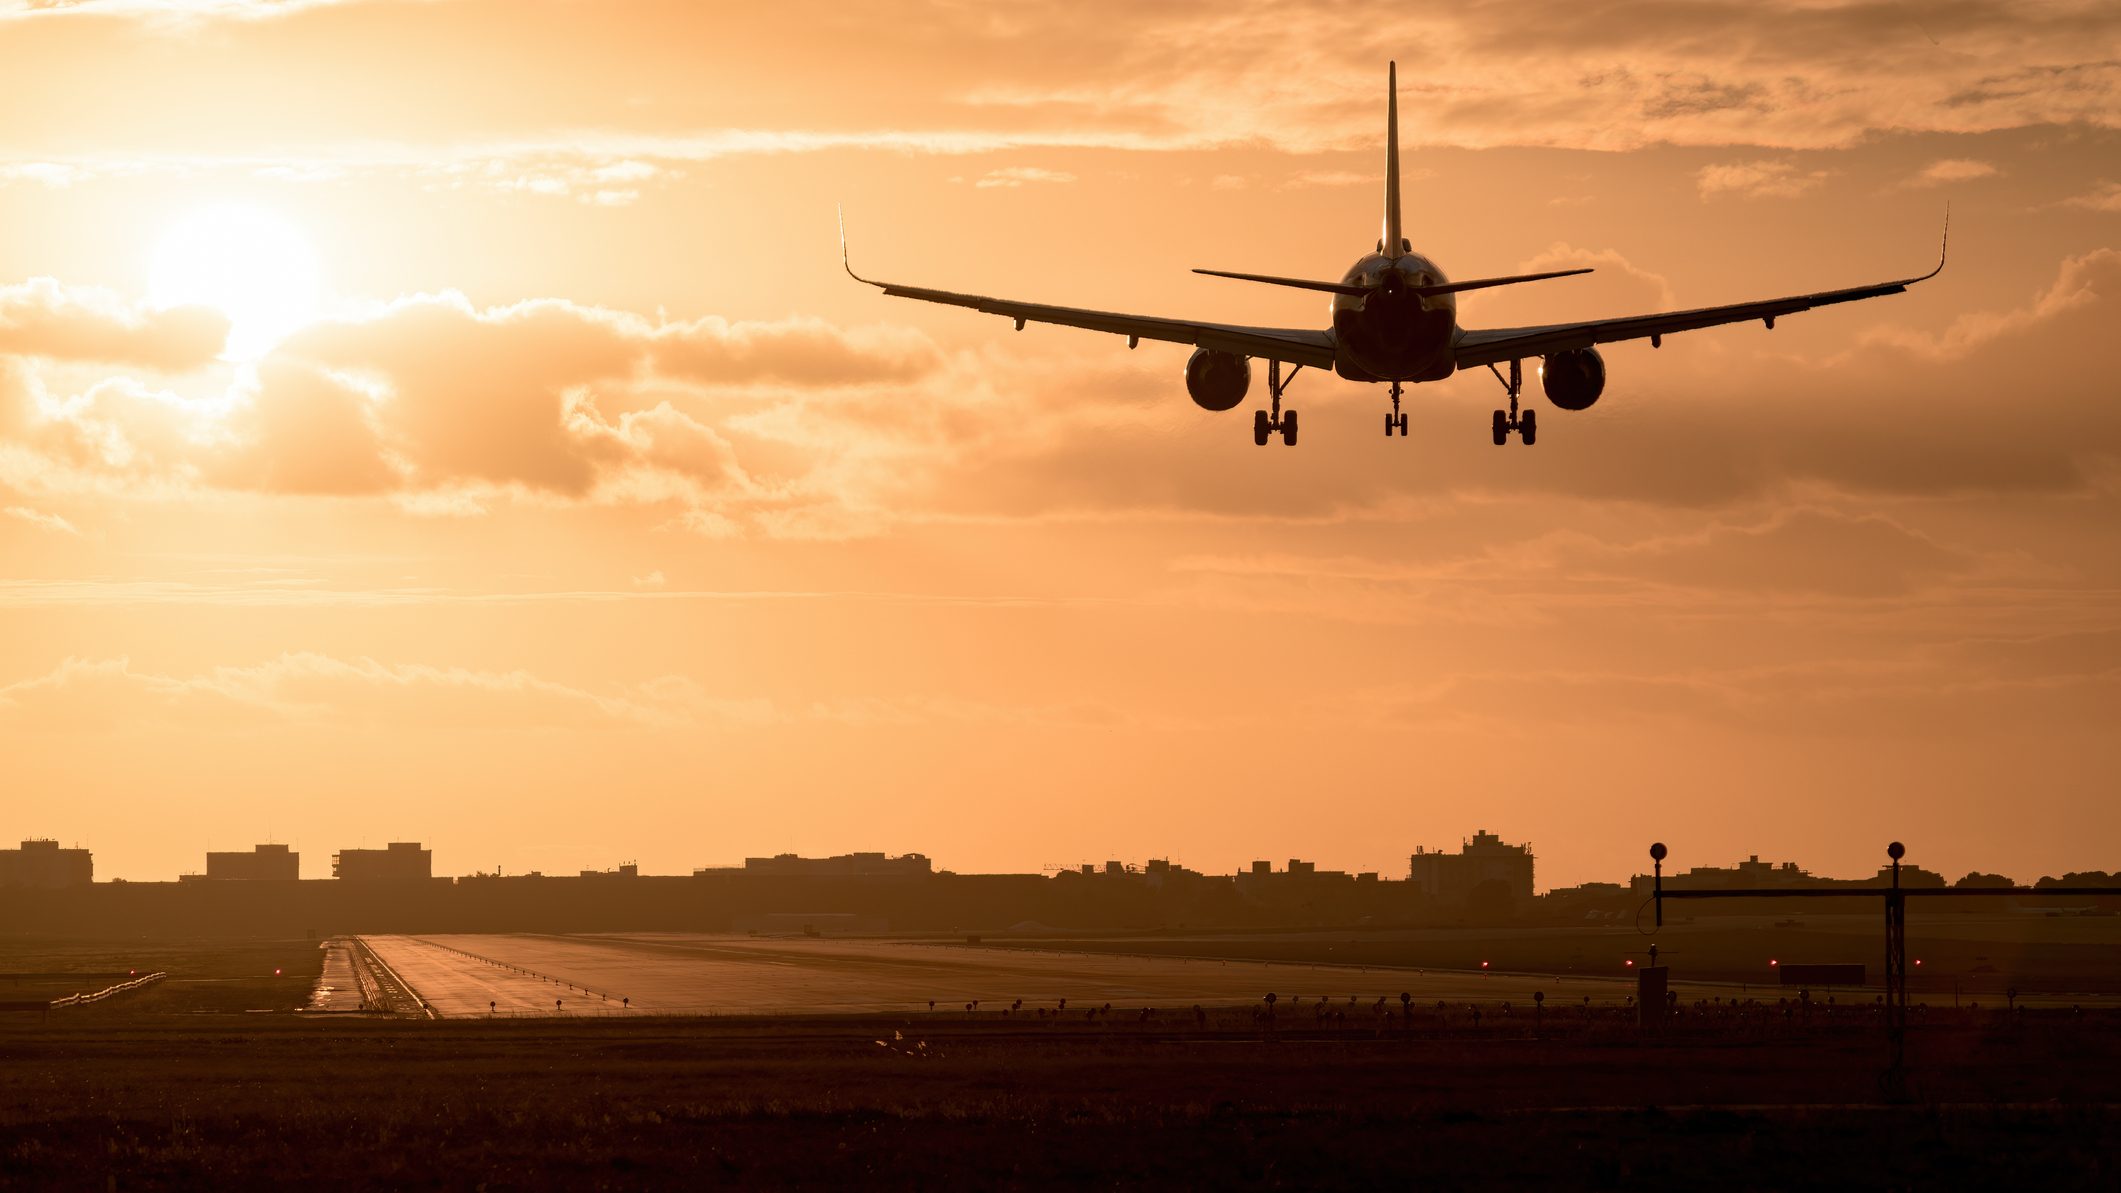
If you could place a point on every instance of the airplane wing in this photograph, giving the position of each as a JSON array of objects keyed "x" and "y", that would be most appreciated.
[
  {"x": 1290, "y": 344},
  {"x": 1475, "y": 348}
]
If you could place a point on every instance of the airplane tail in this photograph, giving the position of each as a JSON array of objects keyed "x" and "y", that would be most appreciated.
[{"x": 1394, "y": 241}]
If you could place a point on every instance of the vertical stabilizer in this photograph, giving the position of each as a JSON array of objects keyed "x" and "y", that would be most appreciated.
[{"x": 1393, "y": 238}]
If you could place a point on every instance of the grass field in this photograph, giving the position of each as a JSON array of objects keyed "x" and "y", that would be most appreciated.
[
  {"x": 290, "y": 1100},
  {"x": 204, "y": 975}
]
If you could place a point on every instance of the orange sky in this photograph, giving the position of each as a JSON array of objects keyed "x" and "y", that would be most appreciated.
[{"x": 555, "y": 500}]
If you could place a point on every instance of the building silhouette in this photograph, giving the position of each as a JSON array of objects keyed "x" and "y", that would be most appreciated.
[
  {"x": 264, "y": 863},
  {"x": 42, "y": 864},
  {"x": 1485, "y": 871},
  {"x": 399, "y": 861},
  {"x": 845, "y": 865}
]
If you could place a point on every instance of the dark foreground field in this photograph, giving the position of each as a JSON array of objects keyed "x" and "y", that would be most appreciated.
[{"x": 164, "y": 1100}]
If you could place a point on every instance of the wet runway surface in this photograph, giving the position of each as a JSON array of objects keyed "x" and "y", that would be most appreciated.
[
  {"x": 338, "y": 987},
  {"x": 460, "y": 975}
]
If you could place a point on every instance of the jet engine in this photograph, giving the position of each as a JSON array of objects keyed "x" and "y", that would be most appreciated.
[
  {"x": 1574, "y": 379},
  {"x": 1218, "y": 380}
]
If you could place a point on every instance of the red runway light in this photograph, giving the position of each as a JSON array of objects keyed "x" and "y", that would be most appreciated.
[
  {"x": 1772, "y": 963},
  {"x": 1631, "y": 963},
  {"x": 276, "y": 972},
  {"x": 1483, "y": 965},
  {"x": 1918, "y": 960}
]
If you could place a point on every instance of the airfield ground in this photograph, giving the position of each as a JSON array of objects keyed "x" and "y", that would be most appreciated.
[
  {"x": 178, "y": 1085},
  {"x": 679, "y": 974}
]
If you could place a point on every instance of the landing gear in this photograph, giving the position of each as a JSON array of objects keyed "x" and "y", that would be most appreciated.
[
  {"x": 1395, "y": 422},
  {"x": 1267, "y": 423},
  {"x": 1526, "y": 424}
]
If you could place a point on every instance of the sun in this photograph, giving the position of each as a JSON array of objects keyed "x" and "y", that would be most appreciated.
[{"x": 247, "y": 262}]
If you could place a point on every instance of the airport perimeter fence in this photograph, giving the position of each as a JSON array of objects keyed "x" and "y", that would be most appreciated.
[{"x": 78, "y": 1000}]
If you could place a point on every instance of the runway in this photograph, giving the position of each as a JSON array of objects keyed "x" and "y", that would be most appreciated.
[{"x": 679, "y": 974}]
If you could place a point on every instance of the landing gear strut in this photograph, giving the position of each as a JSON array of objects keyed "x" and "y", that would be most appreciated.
[
  {"x": 1265, "y": 424},
  {"x": 1526, "y": 424},
  {"x": 1395, "y": 422}
]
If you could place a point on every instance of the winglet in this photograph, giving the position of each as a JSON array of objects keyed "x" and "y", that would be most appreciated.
[{"x": 844, "y": 263}]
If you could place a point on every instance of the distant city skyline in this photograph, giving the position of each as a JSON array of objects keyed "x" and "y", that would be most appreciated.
[{"x": 270, "y": 859}]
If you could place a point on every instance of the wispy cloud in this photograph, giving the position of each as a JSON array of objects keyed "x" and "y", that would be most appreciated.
[
  {"x": 1015, "y": 176},
  {"x": 40, "y": 519},
  {"x": 2106, "y": 196},
  {"x": 1757, "y": 180},
  {"x": 1953, "y": 169}
]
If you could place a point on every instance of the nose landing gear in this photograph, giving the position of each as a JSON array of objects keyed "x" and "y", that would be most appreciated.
[
  {"x": 1266, "y": 424},
  {"x": 1395, "y": 422},
  {"x": 1525, "y": 424}
]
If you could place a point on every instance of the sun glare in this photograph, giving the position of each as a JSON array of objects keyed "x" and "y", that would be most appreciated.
[{"x": 246, "y": 262}]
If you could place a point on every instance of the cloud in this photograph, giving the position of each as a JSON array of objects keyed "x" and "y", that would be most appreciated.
[
  {"x": 1618, "y": 286},
  {"x": 801, "y": 429},
  {"x": 796, "y": 351},
  {"x": 430, "y": 393},
  {"x": 1803, "y": 551},
  {"x": 318, "y": 689},
  {"x": 2080, "y": 282},
  {"x": 1953, "y": 169},
  {"x": 1310, "y": 178},
  {"x": 1299, "y": 77},
  {"x": 160, "y": 9},
  {"x": 42, "y": 318},
  {"x": 324, "y": 691},
  {"x": 2104, "y": 197},
  {"x": 1015, "y": 176},
  {"x": 1757, "y": 180},
  {"x": 40, "y": 519}
]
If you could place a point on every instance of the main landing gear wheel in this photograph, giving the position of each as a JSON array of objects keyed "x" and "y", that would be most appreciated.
[
  {"x": 1395, "y": 422},
  {"x": 1274, "y": 420},
  {"x": 1506, "y": 421}
]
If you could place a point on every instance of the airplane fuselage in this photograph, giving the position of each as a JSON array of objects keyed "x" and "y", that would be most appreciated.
[{"x": 1392, "y": 332}]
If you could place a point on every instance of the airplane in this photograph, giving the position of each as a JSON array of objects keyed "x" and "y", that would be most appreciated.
[{"x": 1394, "y": 320}]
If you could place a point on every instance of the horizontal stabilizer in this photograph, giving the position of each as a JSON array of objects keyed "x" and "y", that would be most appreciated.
[
  {"x": 1359, "y": 291},
  {"x": 1484, "y": 283},
  {"x": 1299, "y": 283}
]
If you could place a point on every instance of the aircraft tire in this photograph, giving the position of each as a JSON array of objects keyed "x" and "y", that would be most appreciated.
[
  {"x": 1260, "y": 429},
  {"x": 1528, "y": 428},
  {"x": 1502, "y": 428}
]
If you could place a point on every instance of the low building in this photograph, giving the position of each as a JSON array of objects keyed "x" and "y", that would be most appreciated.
[
  {"x": 399, "y": 861},
  {"x": 1262, "y": 877},
  {"x": 42, "y": 864},
  {"x": 1485, "y": 870},
  {"x": 845, "y": 865},
  {"x": 264, "y": 863}
]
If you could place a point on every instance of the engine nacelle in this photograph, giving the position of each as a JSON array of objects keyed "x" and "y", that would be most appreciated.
[
  {"x": 1218, "y": 380},
  {"x": 1574, "y": 379}
]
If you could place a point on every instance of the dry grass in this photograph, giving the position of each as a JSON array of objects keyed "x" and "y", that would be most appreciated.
[{"x": 186, "y": 1100}]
